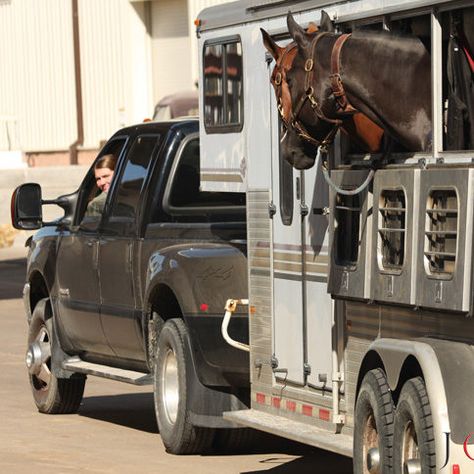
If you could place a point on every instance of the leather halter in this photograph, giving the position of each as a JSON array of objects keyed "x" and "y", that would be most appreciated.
[
  {"x": 337, "y": 90},
  {"x": 335, "y": 77}
]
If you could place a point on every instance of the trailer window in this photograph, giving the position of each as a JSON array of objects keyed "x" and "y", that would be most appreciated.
[
  {"x": 347, "y": 232},
  {"x": 223, "y": 97},
  {"x": 441, "y": 232},
  {"x": 392, "y": 210}
]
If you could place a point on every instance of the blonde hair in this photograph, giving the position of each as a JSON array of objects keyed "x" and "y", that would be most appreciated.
[{"x": 106, "y": 161}]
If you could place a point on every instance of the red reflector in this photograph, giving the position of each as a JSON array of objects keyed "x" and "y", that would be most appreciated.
[
  {"x": 307, "y": 410},
  {"x": 324, "y": 415},
  {"x": 261, "y": 398},
  {"x": 204, "y": 307},
  {"x": 291, "y": 406},
  {"x": 456, "y": 469},
  {"x": 276, "y": 402}
]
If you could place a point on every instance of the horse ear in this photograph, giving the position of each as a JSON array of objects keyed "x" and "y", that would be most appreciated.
[
  {"x": 296, "y": 31},
  {"x": 326, "y": 24},
  {"x": 271, "y": 46}
]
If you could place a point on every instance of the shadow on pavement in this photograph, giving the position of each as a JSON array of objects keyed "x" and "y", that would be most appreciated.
[
  {"x": 133, "y": 410},
  {"x": 12, "y": 278},
  {"x": 136, "y": 411},
  {"x": 317, "y": 462}
]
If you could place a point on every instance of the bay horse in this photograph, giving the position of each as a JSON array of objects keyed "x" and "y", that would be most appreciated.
[
  {"x": 384, "y": 76},
  {"x": 298, "y": 147}
]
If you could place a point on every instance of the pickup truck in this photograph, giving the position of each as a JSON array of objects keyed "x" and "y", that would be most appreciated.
[{"x": 137, "y": 294}]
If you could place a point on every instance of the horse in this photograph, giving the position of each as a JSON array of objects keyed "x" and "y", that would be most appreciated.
[
  {"x": 384, "y": 76},
  {"x": 298, "y": 147}
]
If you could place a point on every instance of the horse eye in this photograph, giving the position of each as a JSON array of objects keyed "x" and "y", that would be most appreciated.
[{"x": 288, "y": 81}]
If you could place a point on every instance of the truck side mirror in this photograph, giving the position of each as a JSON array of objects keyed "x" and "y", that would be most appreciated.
[{"x": 26, "y": 207}]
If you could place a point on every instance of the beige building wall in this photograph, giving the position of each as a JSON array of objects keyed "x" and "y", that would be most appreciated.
[{"x": 132, "y": 54}]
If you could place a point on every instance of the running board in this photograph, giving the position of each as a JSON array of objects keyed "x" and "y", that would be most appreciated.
[
  {"x": 121, "y": 375},
  {"x": 295, "y": 430}
]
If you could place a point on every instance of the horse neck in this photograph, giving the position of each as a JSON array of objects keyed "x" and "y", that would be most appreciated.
[{"x": 381, "y": 75}]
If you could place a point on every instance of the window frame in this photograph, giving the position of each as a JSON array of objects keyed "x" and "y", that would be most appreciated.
[{"x": 225, "y": 127}]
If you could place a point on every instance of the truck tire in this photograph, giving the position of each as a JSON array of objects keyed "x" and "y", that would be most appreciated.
[
  {"x": 413, "y": 432},
  {"x": 373, "y": 425},
  {"x": 52, "y": 395},
  {"x": 178, "y": 433}
]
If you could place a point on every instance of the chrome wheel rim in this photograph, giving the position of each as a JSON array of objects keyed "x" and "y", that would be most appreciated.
[
  {"x": 170, "y": 385},
  {"x": 38, "y": 360}
]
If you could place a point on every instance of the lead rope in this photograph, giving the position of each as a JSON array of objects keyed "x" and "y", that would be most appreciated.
[{"x": 334, "y": 186}]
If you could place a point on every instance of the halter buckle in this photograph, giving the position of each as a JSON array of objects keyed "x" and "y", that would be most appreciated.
[
  {"x": 278, "y": 78},
  {"x": 308, "y": 65}
]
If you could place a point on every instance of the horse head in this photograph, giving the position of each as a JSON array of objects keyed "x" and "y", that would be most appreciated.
[
  {"x": 303, "y": 129},
  {"x": 350, "y": 82},
  {"x": 298, "y": 152}
]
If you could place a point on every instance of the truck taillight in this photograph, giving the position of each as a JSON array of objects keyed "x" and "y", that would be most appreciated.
[{"x": 456, "y": 469}]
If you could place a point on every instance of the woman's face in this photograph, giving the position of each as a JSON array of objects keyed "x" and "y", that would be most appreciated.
[{"x": 103, "y": 177}]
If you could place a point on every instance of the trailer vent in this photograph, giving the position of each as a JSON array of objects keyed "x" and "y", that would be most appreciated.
[
  {"x": 392, "y": 229},
  {"x": 441, "y": 232},
  {"x": 347, "y": 232}
]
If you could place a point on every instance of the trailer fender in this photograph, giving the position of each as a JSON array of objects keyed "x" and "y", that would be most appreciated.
[{"x": 393, "y": 353}]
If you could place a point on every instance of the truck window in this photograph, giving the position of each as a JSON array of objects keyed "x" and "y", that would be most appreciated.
[
  {"x": 183, "y": 195},
  {"x": 130, "y": 186},
  {"x": 89, "y": 189},
  {"x": 223, "y": 86}
]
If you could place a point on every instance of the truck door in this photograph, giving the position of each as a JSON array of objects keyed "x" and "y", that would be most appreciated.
[
  {"x": 77, "y": 270},
  {"x": 121, "y": 317},
  {"x": 302, "y": 332}
]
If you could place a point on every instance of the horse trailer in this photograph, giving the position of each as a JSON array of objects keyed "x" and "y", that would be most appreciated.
[{"x": 360, "y": 305}]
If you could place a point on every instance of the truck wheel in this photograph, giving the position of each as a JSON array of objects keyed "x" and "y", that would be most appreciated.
[
  {"x": 373, "y": 426},
  {"x": 52, "y": 395},
  {"x": 413, "y": 433},
  {"x": 178, "y": 433}
]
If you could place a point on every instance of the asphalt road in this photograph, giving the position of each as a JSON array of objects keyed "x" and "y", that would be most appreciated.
[{"x": 115, "y": 430}]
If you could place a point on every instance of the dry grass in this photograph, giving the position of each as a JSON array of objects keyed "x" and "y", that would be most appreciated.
[{"x": 7, "y": 235}]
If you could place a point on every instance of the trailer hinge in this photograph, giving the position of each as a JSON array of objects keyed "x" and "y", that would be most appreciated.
[
  {"x": 271, "y": 210},
  {"x": 306, "y": 370},
  {"x": 339, "y": 419},
  {"x": 338, "y": 377},
  {"x": 304, "y": 211}
]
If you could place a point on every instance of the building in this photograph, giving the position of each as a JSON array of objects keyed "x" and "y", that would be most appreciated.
[{"x": 74, "y": 71}]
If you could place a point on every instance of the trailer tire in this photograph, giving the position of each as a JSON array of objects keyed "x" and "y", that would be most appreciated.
[
  {"x": 52, "y": 395},
  {"x": 373, "y": 425},
  {"x": 413, "y": 431},
  {"x": 177, "y": 431}
]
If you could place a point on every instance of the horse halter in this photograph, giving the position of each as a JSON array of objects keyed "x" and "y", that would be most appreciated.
[{"x": 337, "y": 90}]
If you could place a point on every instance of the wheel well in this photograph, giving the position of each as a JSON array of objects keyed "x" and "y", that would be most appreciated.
[
  {"x": 38, "y": 289},
  {"x": 162, "y": 305},
  {"x": 164, "y": 302},
  {"x": 410, "y": 368}
]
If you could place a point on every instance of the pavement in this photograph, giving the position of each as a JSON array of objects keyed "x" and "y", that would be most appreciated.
[{"x": 115, "y": 429}]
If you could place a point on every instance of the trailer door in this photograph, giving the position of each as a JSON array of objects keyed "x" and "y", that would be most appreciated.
[{"x": 287, "y": 271}]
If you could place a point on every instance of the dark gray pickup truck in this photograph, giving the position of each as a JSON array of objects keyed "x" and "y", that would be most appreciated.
[{"x": 138, "y": 293}]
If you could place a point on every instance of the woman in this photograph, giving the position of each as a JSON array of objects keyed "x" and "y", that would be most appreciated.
[{"x": 103, "y": 171}]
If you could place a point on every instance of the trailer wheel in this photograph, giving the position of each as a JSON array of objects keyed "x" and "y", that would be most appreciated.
[
  {"x": 373, "y": 427},
  {"x": 178, "y": 433},
  {"x": 414, "y": 450},
  {"x": 52, "y": 395}
]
